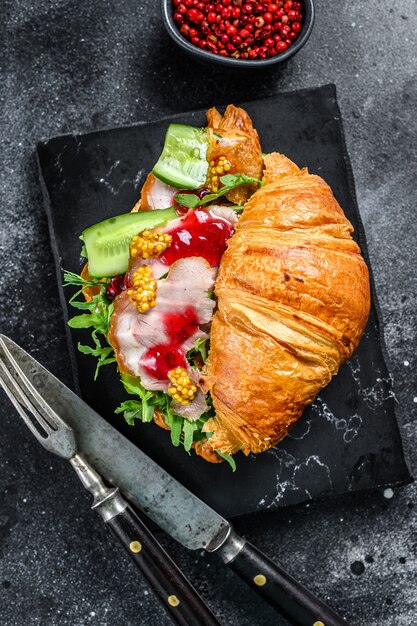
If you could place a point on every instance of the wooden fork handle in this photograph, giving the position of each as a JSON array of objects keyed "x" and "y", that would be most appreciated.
[{"x": 174, "y": 591}]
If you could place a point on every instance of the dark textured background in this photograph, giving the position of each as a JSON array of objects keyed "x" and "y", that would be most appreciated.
[{"x": 78, "y": 66}]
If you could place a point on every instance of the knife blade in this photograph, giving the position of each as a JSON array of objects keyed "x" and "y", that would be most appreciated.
[{"x": 169, "y": 504}]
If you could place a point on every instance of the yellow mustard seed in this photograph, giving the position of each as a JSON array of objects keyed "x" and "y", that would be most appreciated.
[
  {"x": 142, "y": 294},
  {"x": 216, "y": 169},
  {"x": 182, "y": 388},
  {"x": 149, "y": 244}
]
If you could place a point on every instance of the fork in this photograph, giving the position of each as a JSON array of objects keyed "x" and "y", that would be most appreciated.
[{"x": 175, "y": 592}]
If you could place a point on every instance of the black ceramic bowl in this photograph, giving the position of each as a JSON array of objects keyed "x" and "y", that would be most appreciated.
[{"x": 229, "y": 62}]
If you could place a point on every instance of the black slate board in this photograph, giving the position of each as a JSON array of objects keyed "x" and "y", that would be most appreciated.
[{"x": 349, "y": 439}]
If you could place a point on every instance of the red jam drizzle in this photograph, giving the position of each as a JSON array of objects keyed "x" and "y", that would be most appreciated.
[
  {"x": 199, "y": 234},
  {"x": 160, "y": 359}
]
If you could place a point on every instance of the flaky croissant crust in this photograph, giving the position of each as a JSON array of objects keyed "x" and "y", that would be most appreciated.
[{"x": 293, "y": 300}]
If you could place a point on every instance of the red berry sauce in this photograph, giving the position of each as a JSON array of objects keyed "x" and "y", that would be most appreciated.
[
  {"x": 199, "y": 234},
  {"x": 160, "y": 359},
  {"x": 242, "y": 29}
]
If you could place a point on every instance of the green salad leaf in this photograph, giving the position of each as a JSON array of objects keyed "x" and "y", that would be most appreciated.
[
  {"x": 175, "y": 423},
  {"x": 200, "y": 347},
  {"x": 228, "y": 458},
  {"x": 230, "y": 182},
  {"x": 183, "y": 431},
  {"x": 131, "y": 409},
  {"x": 97, "y": 317},
  {"x": 149, "y": 400}
]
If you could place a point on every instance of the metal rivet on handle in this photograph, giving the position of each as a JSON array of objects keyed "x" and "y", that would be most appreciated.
[
  {"x": 173, "y": 601},
  {"x": 135, "y": 546},
  {"x": 260, "y": 580}
]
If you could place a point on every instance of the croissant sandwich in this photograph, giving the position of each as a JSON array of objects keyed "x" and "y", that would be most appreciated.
[{"x": 229, "y": 296}]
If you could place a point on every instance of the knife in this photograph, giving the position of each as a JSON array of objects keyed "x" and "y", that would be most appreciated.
[{"x": 169, "y": 504}]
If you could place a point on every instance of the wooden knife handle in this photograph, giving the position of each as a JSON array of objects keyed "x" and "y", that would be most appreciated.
[
  {"x": 296, "y": 603},
  {"x": 175, "y": 592}
]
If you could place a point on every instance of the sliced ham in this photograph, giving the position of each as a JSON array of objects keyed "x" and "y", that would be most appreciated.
[
  {"x": 225, "y": 213},
  {"x": 193, "y": 410},
  {"x": 156, "y": 194},
  {"x": 133, "y": 335},
  {"x": 123, "y": 335}
]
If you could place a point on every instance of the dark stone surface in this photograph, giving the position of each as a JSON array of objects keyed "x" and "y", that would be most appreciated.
[{"x": 72, "y": 66}]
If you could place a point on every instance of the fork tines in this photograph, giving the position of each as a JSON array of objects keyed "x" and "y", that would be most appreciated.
[{"x": 41, "y": 419}]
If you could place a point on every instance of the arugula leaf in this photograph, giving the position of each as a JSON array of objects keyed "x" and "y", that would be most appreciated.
[
  {"x": 98, "y": 317},
  {"x": 189, "y": 200},
  {"x": 82, "y": 321},
  {"x": 75, "y": 279},
  {"x": 176, "y": 429},
  {"x": 200, "y": 347},
  {"x": 236, "y": 180},
  {"x": 230, "y": 182},
  {"x": 228, "y": 458},
  {"x": 150, "y": 400},
  {"x": 189, "y": 428},
  {"x": 183, "y": 431},
  {"x": 101, "y": 353},
  {"x": 175, "y": 423},
  {"x": 131, "y": 409},
  {"x": 81, "y": 305},
  {"x": 133, "y": 385},
  {"x": 98, "y": 352}
]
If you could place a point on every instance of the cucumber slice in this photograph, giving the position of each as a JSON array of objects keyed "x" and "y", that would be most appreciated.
[
  {"x": 183, "y": 162},
  {"x": 107, "y": 243}
]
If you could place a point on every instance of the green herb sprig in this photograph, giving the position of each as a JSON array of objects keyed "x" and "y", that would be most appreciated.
[
  {"x": 183, "y": 431},
  {"x": 230, "y": 182},
  {"x": 228, "y": 458},
  {"x": 97, "y": 317},
  {"x": 200, "y": 347}
]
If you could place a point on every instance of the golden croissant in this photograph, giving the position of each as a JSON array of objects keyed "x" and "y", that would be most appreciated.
[
  {"x": 292, "y": 294},
  {"x": 293, "y": 299}
]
